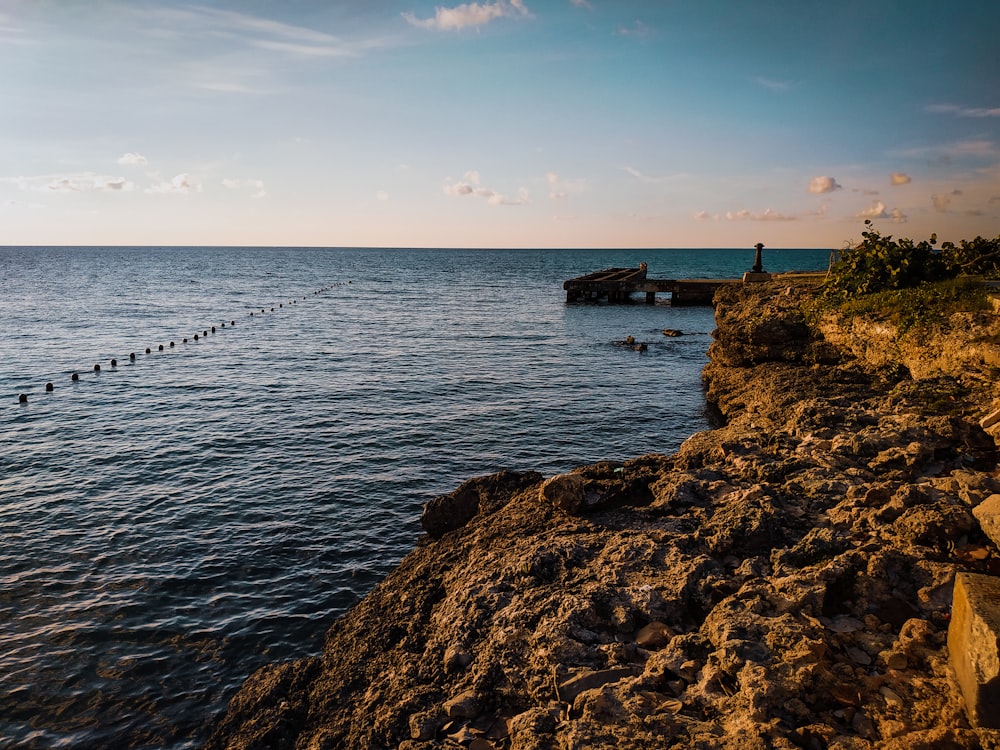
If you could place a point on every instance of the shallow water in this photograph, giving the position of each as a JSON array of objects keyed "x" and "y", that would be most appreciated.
[{"x": 172, "y": 523}]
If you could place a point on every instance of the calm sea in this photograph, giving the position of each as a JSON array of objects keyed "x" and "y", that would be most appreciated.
[{"x": 171, "y": 523}]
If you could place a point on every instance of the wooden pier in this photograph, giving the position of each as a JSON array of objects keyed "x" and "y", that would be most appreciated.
[{"x": 617, "y": 285}]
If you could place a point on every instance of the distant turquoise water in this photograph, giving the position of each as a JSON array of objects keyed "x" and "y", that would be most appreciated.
[{"x": 171, "y": 524}]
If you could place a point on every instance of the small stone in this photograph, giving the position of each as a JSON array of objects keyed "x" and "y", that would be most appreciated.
[
  {"x": 891, "y": 697},
  {"x": 588, "y": 680},
  {"x": 894, "y": 660},
  {"x": 456, "y": 658},
  {"x": 858, "y": 656},
  {"x": 564, "y": 491},
  {"x": 462, "y": 706},
  {"x": 655, "y": 635}
]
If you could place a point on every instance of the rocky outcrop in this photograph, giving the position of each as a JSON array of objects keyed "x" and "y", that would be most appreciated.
[{"x": 783, "y": 581}]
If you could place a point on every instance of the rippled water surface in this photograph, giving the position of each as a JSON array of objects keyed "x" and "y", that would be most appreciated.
[{"x": 171, "y": 523}]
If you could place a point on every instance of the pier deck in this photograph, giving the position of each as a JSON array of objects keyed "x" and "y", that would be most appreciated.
[{"x": 617, "y": 285}]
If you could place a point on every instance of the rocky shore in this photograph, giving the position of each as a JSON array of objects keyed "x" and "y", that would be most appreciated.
[{"x": 782, "y": 581}]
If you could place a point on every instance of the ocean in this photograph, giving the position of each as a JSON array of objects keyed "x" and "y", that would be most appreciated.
[{"x": 175, "y": 521}]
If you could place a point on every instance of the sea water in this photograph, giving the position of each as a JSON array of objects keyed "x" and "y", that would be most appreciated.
[{"x": 175, "y": 521}]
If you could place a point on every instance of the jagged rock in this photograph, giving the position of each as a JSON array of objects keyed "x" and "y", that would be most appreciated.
[
  {"x": 482, "y": 494},
  {"x": 784, "y": 580}
]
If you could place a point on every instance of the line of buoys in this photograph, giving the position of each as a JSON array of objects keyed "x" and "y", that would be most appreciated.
[{"x": 75, "y": 377}]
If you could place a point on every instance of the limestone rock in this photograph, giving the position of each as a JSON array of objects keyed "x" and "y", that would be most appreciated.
[
  {"x": 988, "y": 515},
  {"x": 974, "y": 646}
]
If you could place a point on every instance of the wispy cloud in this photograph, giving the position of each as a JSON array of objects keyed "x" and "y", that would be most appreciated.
[
  {"x": 470, "y": 186},
  {"x": 264, "y": 33},
  {"x": 638, "y": 29},
  {"x": 771, "y": 84},
  {"x": 899, "y": 178},
  {"x": 957, "y": 111},
  {"x": 256, "y": 187},
  {"x": 767, "y": 215},
  {"x": 823, "y": 184},
  {"x": 77, "y": 182},
  {"x": 468, "y": 15},
  {"x": 942, "y": 201},
  {"x": 181, "y": 184}
]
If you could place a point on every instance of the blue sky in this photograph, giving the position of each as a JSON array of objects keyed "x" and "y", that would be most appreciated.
[{"x": 501, "y": 123}]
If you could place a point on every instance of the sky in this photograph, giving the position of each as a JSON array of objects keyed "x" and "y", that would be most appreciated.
[{"x": 499, "y": 123}]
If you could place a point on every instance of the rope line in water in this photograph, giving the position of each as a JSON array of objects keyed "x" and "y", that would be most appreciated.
[{"x": 22, "y": 398}]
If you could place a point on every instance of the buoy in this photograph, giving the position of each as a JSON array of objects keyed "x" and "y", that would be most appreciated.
[
  {"x": 160, "y": 348},
  {"x": 232, "y": 322},
  {"x": 132, "y": 356},
  {"x": 280, "y": 305},
  {"x": 171, "y": 344},
  {"x": 49, "y": 387},
  {"x": 75, "y": 377},
  {"x": 22, "y": 398},
  {"x": 251, "y": 315},
  {"x": 147, "y": 350},
  {"x": 184, "y": 341},
  {"x": 223, "y": 325},
  {"x": 204, "y": 333},
  {"x": 97, "y": 368},
  {"x": 114, "y": 363},
  {"x": 272, "y": 309},
  {"x": 196, "y": 337},
  {"x": 213, "y": 329}
]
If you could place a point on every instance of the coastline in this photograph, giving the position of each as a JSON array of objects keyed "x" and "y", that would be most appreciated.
[{"x": 782, "y": 581}]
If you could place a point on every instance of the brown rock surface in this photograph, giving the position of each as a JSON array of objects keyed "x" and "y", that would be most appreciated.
[{"x": 797, "y": 562}]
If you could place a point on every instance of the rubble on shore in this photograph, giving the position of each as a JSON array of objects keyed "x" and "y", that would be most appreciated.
[{"x": 782, "y": 581}]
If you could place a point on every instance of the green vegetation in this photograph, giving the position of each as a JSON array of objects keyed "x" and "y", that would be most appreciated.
[{"x": 911, "y": 284}]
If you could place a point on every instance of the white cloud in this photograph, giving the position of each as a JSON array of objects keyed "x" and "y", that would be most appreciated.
[
  {"x": 381, "y": 195},
  {"x": 954, "y": 109},
  {"x": 897, "y": 216},
  {"x": 899, "y": 178},
  {"x": 560, "y": 189},
  {"x": 581, "y": 3},
  {"x": 767, "y": 215},
  {"x": 468, "y": 14},
  {"x": 180, "y": 185},
  {"x": 133, "y": 159},
  {"x": 470, "y": 186},
  {"x": 823, "y": 185},
  {"x": 875, "y": 211}
]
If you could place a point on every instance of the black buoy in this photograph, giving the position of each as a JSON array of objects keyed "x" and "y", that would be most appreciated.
[
  {"x": 196, "y": 337},
  {"x": 232, "y": 323},
  {"x": 147, "y": 350},
  {"x": 160, "y": 348},
  {"x": 49, "y": 387},
  {"x": 22, "y": 398},
  {"x": 223, "y": 325},
  {"x": 75, "y": 377},
  {"x": 132, "y": 356},
  {"x": 213, "y": 329},
  {"x": 184, "y": 341},
  {"x": 114, "y": 363},
  {"x": 171, "y": 344},
  {"x": 97, "y": 368},
  {"x": 272, "y": 309},
  {"x": 251, "y": 315}
]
